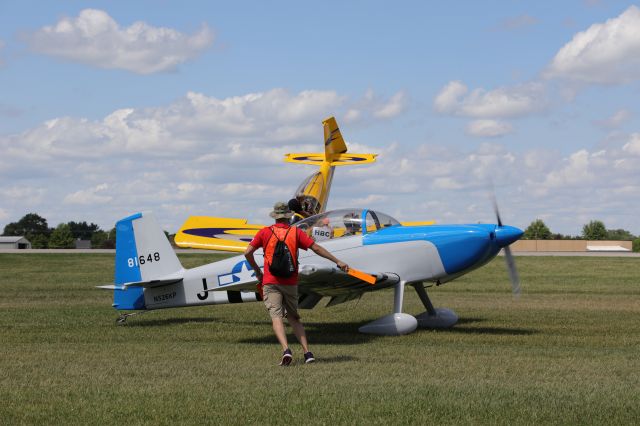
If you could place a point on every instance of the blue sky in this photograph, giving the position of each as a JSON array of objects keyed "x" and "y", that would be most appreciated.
[{"x": 108, "y": 108}]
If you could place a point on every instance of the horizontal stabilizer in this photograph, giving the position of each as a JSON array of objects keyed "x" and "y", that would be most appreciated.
[
  {"x": 153, "y": 283},
  {"x": 160, "y": 282},
  {"x": 109, "y": 287},
  {"x": 316, "y": 159}
]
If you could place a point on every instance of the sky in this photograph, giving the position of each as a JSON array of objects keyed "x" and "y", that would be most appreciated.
[{"x": 187, "y": 108}]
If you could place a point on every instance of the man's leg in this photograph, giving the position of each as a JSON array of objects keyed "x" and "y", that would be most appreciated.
[
  {"x": 298, "y": 330},
  {"x": 273, "y": 302},
  {"x": 278, "y": 329}
]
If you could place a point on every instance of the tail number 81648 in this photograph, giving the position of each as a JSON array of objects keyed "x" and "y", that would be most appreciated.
[{"x": 141, "y": 260}]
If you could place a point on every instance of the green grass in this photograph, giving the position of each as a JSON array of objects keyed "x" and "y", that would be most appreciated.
[{"x": 566, "y": 352}]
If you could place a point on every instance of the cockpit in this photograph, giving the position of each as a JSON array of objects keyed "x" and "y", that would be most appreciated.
[
  {"x": 309, "y": 192},
  {"x": 345, "y": 223}
]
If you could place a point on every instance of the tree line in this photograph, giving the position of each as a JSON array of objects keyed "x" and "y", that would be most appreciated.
[
  {"x": 36, "y": 229},
  {"x": 594, "y": 230}
]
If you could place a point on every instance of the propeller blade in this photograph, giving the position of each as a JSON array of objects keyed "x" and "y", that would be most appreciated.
[
  {"x": 511, "y": 264},
  {"x": 513, "y": 272},
  {"x": 496, "y": 210}
]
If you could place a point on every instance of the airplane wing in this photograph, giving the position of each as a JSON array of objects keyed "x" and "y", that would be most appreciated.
[
  {"x": 318, "y": 281},
  {"x": 419, "y": 223},
  {"x": 216, "y": 233}
]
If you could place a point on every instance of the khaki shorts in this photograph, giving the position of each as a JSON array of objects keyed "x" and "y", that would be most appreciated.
[{"x": 281, "y": 300}]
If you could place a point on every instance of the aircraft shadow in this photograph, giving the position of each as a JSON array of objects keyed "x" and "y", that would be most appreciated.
[
  {"x": 145, "y": 322},
  {"x": 490, "y": 330},
  {"x": 469, "y": 320}
]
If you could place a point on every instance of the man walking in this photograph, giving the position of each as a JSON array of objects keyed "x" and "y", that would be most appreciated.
[{"x": 281, "y": 292}]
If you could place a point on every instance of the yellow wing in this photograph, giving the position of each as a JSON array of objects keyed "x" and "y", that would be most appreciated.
[
  {"x": 419, "y": 223},
  {"x": 216, "y": 233}
]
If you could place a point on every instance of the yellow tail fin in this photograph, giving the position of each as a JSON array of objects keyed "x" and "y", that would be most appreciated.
[{"x": 333, "y": 140}]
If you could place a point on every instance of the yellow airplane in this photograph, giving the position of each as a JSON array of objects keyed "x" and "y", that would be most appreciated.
[{"x": 227, "y": 234}]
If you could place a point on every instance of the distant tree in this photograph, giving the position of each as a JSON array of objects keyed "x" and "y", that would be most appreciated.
[
  {"x": 636, "y": 245},
  {"x": 61, "y": 237},
  {"x": 537, "y": 231},
  {"x": 40, "y": 241},
  {"x": 594, "y": 230},
  {"x": 99, "y": 238},
  {"x": 81, "y": 230},
  {"x": 110, "y": 242},
  {"x": 619, "y": 235},
  {"x": 32, "y": 226}
]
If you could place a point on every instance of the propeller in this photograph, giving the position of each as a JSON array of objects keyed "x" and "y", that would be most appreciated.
[{"x": 511, "y": 264}]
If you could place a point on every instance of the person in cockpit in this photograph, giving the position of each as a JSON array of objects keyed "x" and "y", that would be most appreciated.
[
  {"x": 296, "y": 208},
  {"x": 351, "y": 224}
]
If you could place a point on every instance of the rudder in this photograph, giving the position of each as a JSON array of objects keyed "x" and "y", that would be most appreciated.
[{"x": 143, "y": 253}]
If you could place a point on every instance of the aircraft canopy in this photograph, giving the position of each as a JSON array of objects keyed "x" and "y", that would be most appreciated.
[{"x": 344, "y": 223}]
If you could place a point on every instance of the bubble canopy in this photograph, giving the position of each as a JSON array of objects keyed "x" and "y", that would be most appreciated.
[{"x": 345, "y": 223}]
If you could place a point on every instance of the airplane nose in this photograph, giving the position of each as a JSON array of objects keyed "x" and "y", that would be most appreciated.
[{"x": 506, "y": 235}]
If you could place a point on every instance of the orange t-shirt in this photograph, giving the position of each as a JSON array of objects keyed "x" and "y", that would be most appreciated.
[{"x": 262, "y": 240}]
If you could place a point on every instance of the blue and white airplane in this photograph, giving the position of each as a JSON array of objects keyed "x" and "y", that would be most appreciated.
[{"x": 149, "y": 276}]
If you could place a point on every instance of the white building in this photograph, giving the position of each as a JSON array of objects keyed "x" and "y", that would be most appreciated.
[{"x": 14, "y": 243}]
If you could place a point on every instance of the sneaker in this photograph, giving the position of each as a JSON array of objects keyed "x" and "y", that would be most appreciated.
[
  {"x": 308, "y": 358},
  {"x": 286, "y": 358}
]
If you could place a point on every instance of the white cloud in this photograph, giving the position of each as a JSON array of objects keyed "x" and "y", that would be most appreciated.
[
  {"x": 616, "y": 120},
  {"x": 450, "y": 97},
  {"x": 394, "y": 107},
  {"x": 446, "y": 183},
  {"x": 488, "y": 128},
  {"x": 95, "y": 38},
  {"x": 89, "y": 196},
  {"x": 633, "y": 146},
  {"x": 575, "y": 171},
  {"x": 606, "y": 53},
  {"x": 376, "y": 107},
  {"x": 504, "y": 102}
]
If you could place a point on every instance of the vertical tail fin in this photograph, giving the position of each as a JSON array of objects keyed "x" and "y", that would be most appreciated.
[
  {"x": 143, "y": 253},
  {"x": 333, "y": 141}
]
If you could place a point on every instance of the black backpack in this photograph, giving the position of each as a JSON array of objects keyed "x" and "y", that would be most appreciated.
[{"x": 282, "y": 263}]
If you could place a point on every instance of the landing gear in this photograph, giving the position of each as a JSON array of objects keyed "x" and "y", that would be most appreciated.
[
  {"x": 396, "y": 323},
  {"x": 433, "y": 317},
  {"x": 399, "y": 323}
]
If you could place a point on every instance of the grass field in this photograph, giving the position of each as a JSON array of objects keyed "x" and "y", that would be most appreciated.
[{"x": 567, "y": 352}]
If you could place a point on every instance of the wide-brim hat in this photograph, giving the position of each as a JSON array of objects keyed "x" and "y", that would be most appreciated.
[{"x": 281, "y": 211}]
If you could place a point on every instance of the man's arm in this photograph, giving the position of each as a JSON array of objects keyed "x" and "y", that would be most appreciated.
[
  {"x": 248, "y": 254},
  {"x": 321, "y": 251}
]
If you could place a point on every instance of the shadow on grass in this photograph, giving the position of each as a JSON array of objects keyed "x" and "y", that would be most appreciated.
[
  {"x": 469, "y": 320},
  {"x": 145, "y": 322},
  {"x": 342, "y": 333},
  {"x": 490, "y": 330},
  {"x": 334, "y": 359}
]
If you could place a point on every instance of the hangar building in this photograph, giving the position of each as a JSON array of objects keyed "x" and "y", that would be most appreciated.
[{"x": 14, "y": 243}]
